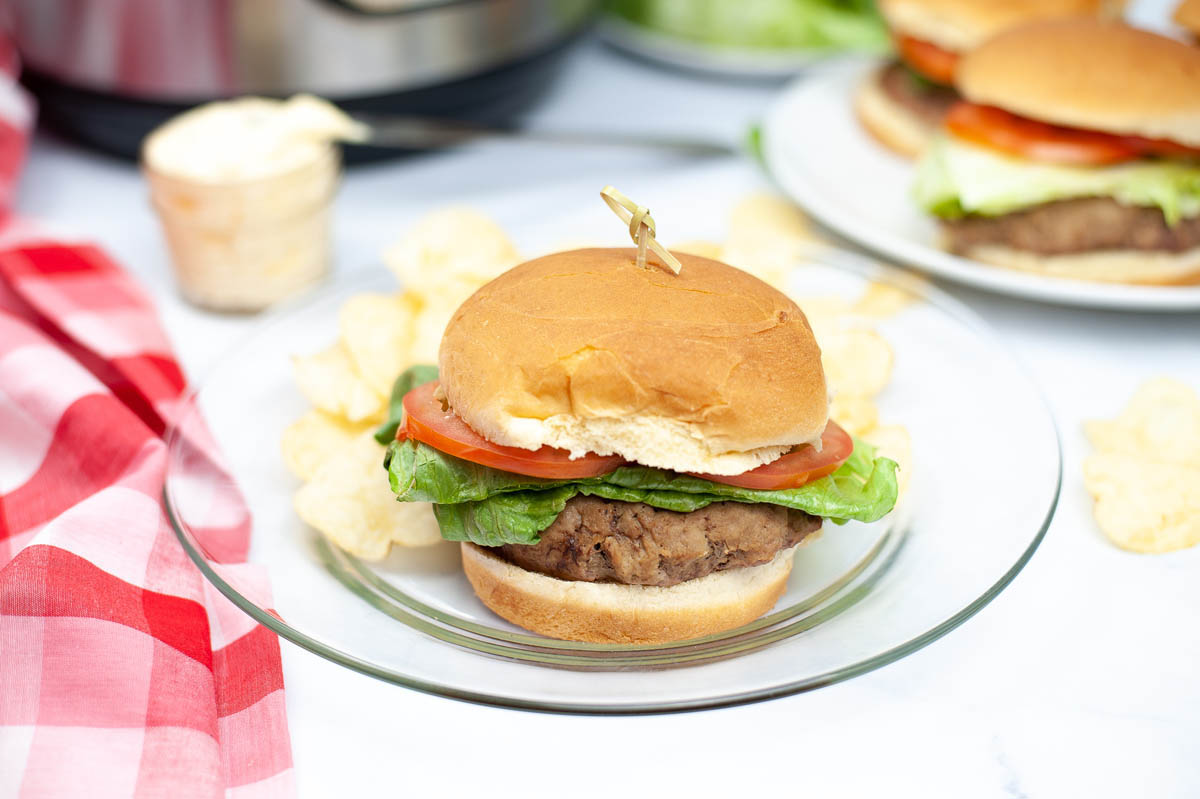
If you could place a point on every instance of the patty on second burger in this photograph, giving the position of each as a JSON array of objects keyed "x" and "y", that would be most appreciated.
[
  {"x": 602, "y": 540},
  {"x": 1075, "y": 226},
  {"x": 926, "y": 100}
]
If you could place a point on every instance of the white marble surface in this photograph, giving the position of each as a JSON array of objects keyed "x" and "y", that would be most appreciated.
[{"x": 1080, "y": 680}]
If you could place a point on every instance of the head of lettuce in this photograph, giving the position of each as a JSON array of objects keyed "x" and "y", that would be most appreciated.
[
  {"x": 629, "y": 454},
  {"x": 770, "y": 25}
]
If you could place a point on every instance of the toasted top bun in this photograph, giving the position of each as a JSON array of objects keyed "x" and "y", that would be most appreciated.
[
  {"x": 961, "y": 25},
  {"x": 1090, "y": 74},
  {"x": 1187, "y": 14},
  {"x": 711, "y": 370}
]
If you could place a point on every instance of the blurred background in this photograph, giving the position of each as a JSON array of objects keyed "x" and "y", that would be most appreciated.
[{"x": 107, "y": 71}]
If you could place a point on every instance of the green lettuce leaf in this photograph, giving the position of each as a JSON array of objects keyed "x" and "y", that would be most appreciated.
[
  {"x": 410, "y": 378},
  {"x": 514, "y": 518},
  {"x": 955, "y": 179},
  {"x": 491, "y": 507},
  {"x": 763, "y": 24}
]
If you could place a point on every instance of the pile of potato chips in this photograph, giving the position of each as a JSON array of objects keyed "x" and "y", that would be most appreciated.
[
  {"x": 440, "y": 262},
  {"x": 1145, "y": 471}
]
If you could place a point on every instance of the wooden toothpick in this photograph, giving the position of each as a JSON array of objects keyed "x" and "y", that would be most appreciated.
[{"x": 641, "y": 228}]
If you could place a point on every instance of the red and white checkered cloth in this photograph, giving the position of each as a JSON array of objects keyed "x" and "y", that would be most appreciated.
[{"x": 122, "y": 671}]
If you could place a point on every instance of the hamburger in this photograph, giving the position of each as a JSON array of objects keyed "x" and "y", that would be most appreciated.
[
  {"x": 1074, "y": 154},
  {"x": 629, "y": 455},
  {"x": 902, "y": 104}
]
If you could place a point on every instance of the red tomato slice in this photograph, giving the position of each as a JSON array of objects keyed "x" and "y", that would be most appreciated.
[
  {"x": 1038, "y": 141},
  {"x": 800, "y": 466},
  {"x": 928, "y": 59},
  {"x": 1162, "y": 147},
  {"x": 425, "y": 420}
]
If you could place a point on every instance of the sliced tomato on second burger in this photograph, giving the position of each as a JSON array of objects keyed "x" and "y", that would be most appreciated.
[
  {"x": 801, "y": 465},
  {"x": 1055, "y": 144},
  {"x": 426, "y": 421},
  {"x": 1038, "y": 141},
  {"x": 928, "y": 59},
  {"x": 1161, "y": 147}
]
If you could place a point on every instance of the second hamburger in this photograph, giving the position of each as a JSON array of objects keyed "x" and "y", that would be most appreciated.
[{"x": 1076, "y": 154}]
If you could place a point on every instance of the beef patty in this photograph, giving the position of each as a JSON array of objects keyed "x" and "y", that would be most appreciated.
[
  {"x": 1074, "y": 226},
  {"x": 928, "y": 101},
  {"x": 603, "y": 540}
]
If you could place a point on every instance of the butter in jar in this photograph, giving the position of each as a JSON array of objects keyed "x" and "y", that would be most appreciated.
[{"x": 243, "y": 189}]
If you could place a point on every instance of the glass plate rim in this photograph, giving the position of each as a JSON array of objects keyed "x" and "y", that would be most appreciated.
[{"x": 863, "y": 266}]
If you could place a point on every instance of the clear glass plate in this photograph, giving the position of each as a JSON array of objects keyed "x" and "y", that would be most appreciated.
[{"x": 985, "y": 481}]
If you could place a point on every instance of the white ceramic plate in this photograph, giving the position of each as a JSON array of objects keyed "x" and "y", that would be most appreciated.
[{"x": 820, "y": 155}]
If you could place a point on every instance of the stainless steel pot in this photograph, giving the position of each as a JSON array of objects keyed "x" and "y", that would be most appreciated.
[
  {"x": 189, "y": 50},
  {"x": 106, "y": 72}
]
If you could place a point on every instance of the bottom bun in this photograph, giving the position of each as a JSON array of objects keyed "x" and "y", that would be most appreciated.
[
  {"x": 890, "y": 123},
  {"x": 1108, "y": 266},
  {"x": 626, "y": 614}
]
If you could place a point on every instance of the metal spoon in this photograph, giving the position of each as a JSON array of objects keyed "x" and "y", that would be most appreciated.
[{"x": 418, "y": 133}]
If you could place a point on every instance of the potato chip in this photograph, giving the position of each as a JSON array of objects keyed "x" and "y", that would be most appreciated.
[
  {"x": 1145, "y": 473},
  {"x": 445, "y": 293},
  {"x": 857, "y": 361},
  {"x": 768, "y": 236},
  {"x": 881, "y": 300},
  {"x": 329, "y": 381},
  {"x": 314, "y": 438},
  {"x": 857, "y": 415},
  {"x": 575, "y": 242},
  {"x": 452, "y": 247},
  {"x": 826, "y": 315},
  {"x": 767, "y": 267},
  {"x": 893, "y": 441},
  {"x": 1144, "y": 505},
  {"x": 377, "y": 333},
  {"x": 1161, "y": 422},
  {"x": 429, "y": 326},
  {"x": 349, "y": 501},
  {"x": 767, "y": 218},
  {"x": 705, "y": 249}
]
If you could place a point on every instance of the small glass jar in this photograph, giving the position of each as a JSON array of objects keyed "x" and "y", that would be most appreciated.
[
  {"x": 243, "y": 189},
  {"x": 242, "y": 245}
]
